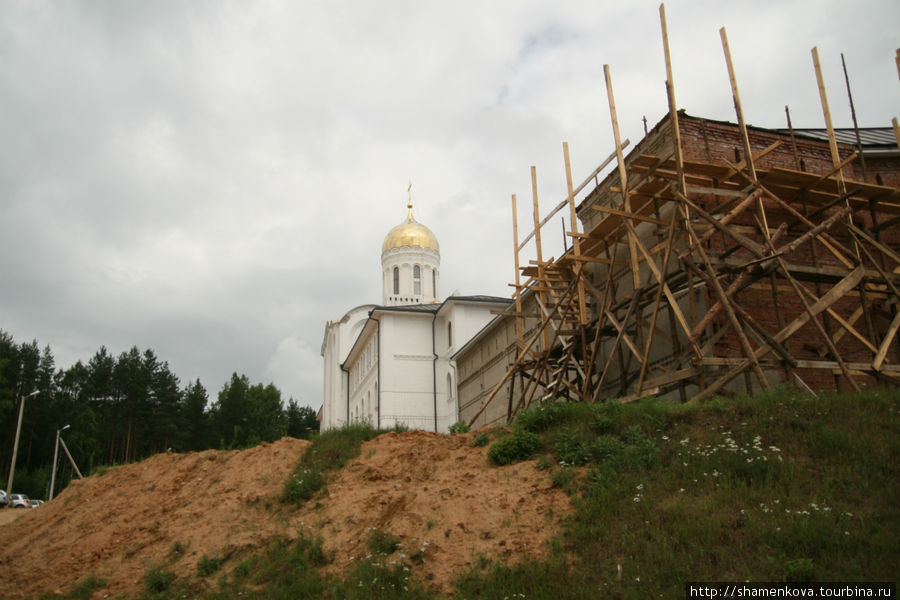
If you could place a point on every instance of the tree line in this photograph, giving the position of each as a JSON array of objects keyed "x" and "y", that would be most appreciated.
[{"x": 123, "y": 409}]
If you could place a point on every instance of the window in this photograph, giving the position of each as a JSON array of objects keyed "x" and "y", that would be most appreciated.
[
  {"x": 396, "y": 280},
  {"x": 417, "y": 280},
  {"x": 434, "y": 284},
  {"x": 449, "y": 334}
]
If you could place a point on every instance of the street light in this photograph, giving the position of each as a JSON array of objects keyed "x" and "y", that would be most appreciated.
[
  {"x": 55, "y": 455},
  {"x": 12, "y": 466}
]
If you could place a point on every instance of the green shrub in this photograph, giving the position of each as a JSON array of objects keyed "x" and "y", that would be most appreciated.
[
  {"x": 606, "y": 448},
  {"x": 157, "y": 580},
  {"x": 481, "y": 439},
  {"x": 542, "y": 417},
  {"x": 460, "y": 427},
  {"x": 571, "y": 446},
  {"x": 382, "y": 542},
  {"x": 303, "y": 485},
  {"x": 604, "y": 417},
  {"x": 642, "y": 450},
  {"x": 513, "y": 448},
  {"x": 209, "y": 565},
  {"x": 315, "y": 553},
  {"x": 544, "y": 463},
  {"x": 245, "y": 568},
  {"x": 84, "y": 589},
  {"x": 177, "y": 550},
  {"x": 561, "y": 478}
]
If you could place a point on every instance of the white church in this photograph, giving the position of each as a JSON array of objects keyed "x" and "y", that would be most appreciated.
[{"x": 392, "y": 364}]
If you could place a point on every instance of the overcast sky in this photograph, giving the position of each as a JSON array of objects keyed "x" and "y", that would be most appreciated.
[{"x": 213, "y": 180}]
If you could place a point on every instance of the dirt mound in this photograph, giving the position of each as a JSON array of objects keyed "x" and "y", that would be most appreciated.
[{"x": 436, "y": 493}]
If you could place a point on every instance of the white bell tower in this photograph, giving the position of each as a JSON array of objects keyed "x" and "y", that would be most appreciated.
[{"x": 410, "y": 263}]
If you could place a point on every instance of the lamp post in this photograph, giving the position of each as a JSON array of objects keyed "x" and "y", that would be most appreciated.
[
  {"x": 12, "y": 466},
  {"x": 55, "y": 456}
]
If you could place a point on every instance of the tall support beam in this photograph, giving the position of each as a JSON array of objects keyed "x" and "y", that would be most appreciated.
[
  {"x": 623, "y": 175},
  {"x": 576, "y": 240},
  {"x": 520, "y": 325},
  {"x": 673, "y": 108},
  {"x": 737, "y": 106},
  {"x": 536, "y": 213},
  {"x": 823, "y": 97}
]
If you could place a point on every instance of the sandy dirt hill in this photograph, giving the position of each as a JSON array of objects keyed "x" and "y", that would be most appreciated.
[{"x": 434, "y": 492}]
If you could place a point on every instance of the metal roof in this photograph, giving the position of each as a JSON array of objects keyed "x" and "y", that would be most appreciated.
[{"x": 870, "y": 137}]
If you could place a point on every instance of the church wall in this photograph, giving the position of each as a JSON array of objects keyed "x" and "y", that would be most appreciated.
[
  {"x": 332, "y": 388},
  {"x": 362, "y": 377},
  {"x": 339, "y": 338},
  {"x": 407, "y": 376}
]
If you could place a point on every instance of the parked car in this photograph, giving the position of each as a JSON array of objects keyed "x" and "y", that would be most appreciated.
[
  {"x": 3, "y": 499},
  {"x": 35, "y": 503},
  {"x": 19, "y": 501}
]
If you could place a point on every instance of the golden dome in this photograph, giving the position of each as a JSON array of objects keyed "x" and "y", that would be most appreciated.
[{"x": 410, "y": 233}]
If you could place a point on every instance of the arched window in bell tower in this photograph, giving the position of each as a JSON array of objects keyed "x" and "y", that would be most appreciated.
[
  {"x": 396, "y": 280},
  {"x": 417, "y": 280}
]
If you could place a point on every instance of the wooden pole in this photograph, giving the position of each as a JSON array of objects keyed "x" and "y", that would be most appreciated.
[
  {"x": 787, "y": 112},
  {"x": 623, "y": 175},
  {"x": 542, "y": 282},
  {"x": 832, "y": 142},
  {"x": 578, "y": 189},
  {"x": 737, "y": 105},
  {"x": 519, "y": 323},
  {"x": 626, "y": 198},
  {"x": 673, "y": 109},
  {"x": 862, "y": 158},
  {"x": 576, "y": 241}
]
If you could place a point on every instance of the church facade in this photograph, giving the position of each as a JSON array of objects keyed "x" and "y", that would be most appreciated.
[{"x": 392, "y": 364}]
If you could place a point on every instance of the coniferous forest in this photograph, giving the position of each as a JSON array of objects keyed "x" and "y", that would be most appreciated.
[{"x": 123, "y": 409}]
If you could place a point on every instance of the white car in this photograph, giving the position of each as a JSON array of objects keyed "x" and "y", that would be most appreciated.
[
  {"x": 19, "y": 501},
  {"x": 3, "y": 499}
]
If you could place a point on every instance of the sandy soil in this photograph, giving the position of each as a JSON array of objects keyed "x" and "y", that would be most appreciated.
[
  {"x": 436, "y": 493},
  {"x": 8, "y": 516}
]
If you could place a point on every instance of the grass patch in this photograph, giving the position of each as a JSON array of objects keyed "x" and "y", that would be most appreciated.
[
  {"x": 158, "y": 580},
  {"x": 460, "y": 427},
  {"x": 521, "y": 445},
  {"x": 778, "y": 487},
  {"x": 382, "y": 542},
  {"x": 207, "y": 565},
  {"x": 84, "y": 589},
  {"x": 481, "y": 439},
  {"x": 329, "y": 451}
]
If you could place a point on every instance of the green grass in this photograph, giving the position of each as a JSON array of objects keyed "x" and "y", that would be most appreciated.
[
  {"x": 329, "y": 451},
  {"x": 84, "y": 589},
  {"x": 779, "y": 487},
  {"x": 382, "y": 542},
  {"x": 207, "y": 565}
]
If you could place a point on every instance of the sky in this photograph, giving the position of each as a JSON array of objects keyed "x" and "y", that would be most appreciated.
[{"x": 213, "y": 180}]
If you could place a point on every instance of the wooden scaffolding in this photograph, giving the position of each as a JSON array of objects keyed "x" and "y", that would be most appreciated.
[{"x": 699, "y": 277}]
